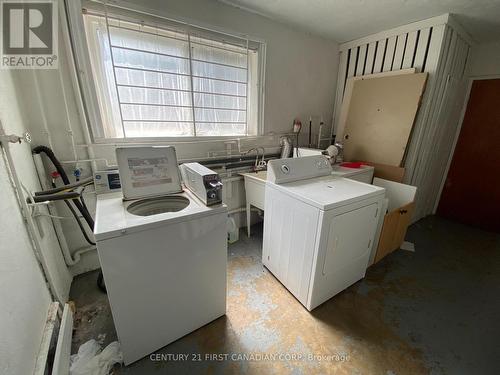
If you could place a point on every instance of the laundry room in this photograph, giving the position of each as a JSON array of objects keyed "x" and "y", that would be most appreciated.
[{"x": 249, "y": 186}]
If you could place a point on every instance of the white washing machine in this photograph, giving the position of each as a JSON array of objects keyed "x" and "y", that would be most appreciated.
[
  {"x": 163, "y": 257},
  {"x": 319, "y": 228}
]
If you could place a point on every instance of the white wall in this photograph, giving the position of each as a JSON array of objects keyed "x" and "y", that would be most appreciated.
[
  {"x": 13, "y": 111},
  {"x": 301, "y": 73},
  {"x": 24, "y": 297},
  {"x": 485, "y": 59}
]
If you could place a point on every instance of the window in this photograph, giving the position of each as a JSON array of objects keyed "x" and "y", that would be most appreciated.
[{"x": 157, "y": 81}]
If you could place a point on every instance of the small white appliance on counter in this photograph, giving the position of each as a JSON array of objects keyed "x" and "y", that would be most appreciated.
[
  {"x": 319, "y": 228},
  {"x": 163, "y": 253},
  {"x": 203, "y": 182}
]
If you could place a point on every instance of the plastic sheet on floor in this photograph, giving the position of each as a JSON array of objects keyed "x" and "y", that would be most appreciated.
[{"x": 90, "y": 360}]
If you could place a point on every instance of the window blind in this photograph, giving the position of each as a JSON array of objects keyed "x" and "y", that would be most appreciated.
[{"x": 154, "y": 81}]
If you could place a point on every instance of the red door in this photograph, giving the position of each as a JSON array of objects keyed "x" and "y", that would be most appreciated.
[{"x": 471, "y": 193}]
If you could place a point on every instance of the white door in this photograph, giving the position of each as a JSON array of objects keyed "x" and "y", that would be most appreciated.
[{"x": 345, "y": 244}]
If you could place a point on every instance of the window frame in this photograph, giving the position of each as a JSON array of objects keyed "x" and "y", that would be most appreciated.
[{"x": 88, "y": 89}]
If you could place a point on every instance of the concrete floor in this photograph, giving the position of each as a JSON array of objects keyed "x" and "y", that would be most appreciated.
[{"x": 433, "y": 311}]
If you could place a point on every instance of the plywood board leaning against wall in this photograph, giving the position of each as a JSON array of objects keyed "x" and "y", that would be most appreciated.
[
  {"x": 346, "y": 101},
  {"x": 380, "y": 117}
]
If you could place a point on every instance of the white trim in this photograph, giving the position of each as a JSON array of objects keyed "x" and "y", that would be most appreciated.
[
  {"x": 262, "y": 91},
  {"x": 429, "y": 22},
  {"x": 63, "y": 348},
  {"x": 47, "y": 336},
  {"x": 85, "y": 83},
  {"x": 457, "y": 133}
]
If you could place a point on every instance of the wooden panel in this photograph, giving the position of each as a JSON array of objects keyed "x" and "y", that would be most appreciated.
[
  {"x": 342, "y": 112},
  {"x": 437, "y": 62},
  {"x": 380, "y": 117},
  {"x": 379, "y": 58},
  {"x": 394, "y": 230},
  {"x": 386, "y": 236},
  {"x": 360, "y": 66},
  {"x": 434, "y": 69},
  {"x": 409, "y": 50},
  {"x": 422, "y": 43},
  {"x": 389, "y": 54},
  {"x": 419, "y": 25},
  {"x": 370, "y": 58},
  {"x": 340, "y": 91},
  {"x": 400, "y": 49},
  {"x": 352, "y": 62}
]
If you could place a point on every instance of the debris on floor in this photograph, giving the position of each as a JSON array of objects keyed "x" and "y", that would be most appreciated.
[
  {"x": 90, "y": 360},
  {"x": 408, "y": 246}
]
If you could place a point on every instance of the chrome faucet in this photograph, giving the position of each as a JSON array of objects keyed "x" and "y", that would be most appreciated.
[{"x": 259, "y": 164}]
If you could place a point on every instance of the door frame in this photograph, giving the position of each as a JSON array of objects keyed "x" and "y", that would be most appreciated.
[{"x": 470, "y": 81}]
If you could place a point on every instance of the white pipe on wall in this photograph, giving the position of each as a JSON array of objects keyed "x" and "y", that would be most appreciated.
[
  {"x": 25, "y": 211},
  {"x": 68, "y": 117},
  {"x": 42, "y": 110}
]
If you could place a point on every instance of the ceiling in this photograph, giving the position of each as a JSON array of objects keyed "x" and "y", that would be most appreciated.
[{"x": 344, "y": 20}]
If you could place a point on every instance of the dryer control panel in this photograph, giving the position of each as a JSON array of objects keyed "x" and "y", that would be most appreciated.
[{"x": 281, "y": 171}]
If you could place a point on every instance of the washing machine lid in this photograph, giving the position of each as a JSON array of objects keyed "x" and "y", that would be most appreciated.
[
  {"x": 329, "y": 192},
  {"x": 115, "y": 218},
  {"x": 148, "y": 171}
]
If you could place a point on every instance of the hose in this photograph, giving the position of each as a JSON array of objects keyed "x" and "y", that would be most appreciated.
[
  {"x": 65, "y": 187},
  {"x": 83, "y": 210},
  {"x": 85, "y": 235},
  {"x": 82, "y": 199},
  {"x": 50, "y": 154},
  {"x": 53, "y": 197}
]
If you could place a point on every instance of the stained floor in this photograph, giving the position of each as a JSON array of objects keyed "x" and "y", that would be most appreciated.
[{"x": 432, "y": 311}]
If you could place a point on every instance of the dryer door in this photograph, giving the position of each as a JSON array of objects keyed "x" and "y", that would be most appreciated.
[{"x": 346, "y": 241}]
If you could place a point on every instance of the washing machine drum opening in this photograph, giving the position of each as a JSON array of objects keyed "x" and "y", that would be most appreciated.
[{"x": 155, "y": 206}]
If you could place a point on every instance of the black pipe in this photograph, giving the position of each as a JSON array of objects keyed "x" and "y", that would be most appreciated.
[
  {"x": 50, "y": 154},
  {"x": 81, "y": 207},
  {"x": 53, "y": 197},
  {"x": 73, "y": 212},
  {"x": 60, "y": 188}
]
